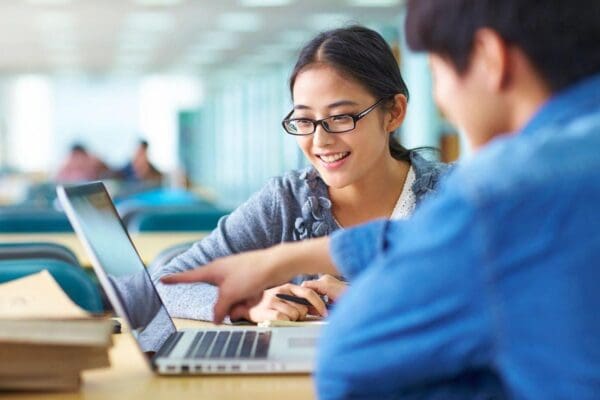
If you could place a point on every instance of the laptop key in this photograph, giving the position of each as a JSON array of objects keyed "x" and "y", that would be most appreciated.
[
  {"x": 169, "y": 345},
  {"x": 205, "y": 344},
  {"x": 248, "y": 344},
  {"x": 233, "y": 345},
  {"x": 219, "y": 344},
  {"x": 192, "y": 347},
  {"x": 262, "y": 345}
]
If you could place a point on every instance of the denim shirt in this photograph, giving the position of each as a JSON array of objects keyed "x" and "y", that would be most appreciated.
[
  {"x": 491, "y": 289},
  {"x": 292, "y": 207}
]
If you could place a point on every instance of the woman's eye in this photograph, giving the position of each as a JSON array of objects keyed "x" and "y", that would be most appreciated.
[
  {"x": 341, "y": 118},
  {"x": 303, "y": 122}
]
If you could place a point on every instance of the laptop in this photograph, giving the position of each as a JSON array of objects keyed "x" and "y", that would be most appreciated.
[{"x": 134, "y": 297}]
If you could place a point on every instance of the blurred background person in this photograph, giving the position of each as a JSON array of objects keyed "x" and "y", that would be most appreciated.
[
  {"x": 139, "y": 168},
  {"x": 81, "y": 165}
]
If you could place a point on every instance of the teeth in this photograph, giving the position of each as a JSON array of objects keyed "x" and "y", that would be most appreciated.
[{"x": 333, "y": 157}]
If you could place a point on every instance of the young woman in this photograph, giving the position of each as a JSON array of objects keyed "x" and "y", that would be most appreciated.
[{"x": 349, "y": 99}]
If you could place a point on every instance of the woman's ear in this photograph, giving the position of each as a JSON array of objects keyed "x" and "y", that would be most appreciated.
[{"x": 396, "y": 113}]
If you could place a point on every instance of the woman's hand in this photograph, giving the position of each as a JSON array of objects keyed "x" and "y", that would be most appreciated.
[
  {"x": 272, "y": 307},
  {"x": 327, "y": 285},
  {"x": 241, "y": 278}
]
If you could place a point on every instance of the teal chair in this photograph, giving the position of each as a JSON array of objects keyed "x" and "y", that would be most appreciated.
[
  {"x": 186, "y": 219},
  {"x": 71, "y": 278},
  {"x": 33, "y": 220},
  {"x": 26, "y": 250},
  {"x": 165, "y": 256}
]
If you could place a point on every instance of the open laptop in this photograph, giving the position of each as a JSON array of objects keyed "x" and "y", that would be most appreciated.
[{"x": 134, "y": 297}]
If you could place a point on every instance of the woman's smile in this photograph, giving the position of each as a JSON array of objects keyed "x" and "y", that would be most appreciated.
[{"x": 333, "y": 160}]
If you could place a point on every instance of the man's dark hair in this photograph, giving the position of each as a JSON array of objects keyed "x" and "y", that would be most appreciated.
[
  {"x": 561, "y": 38},
  {"x": 143, "y": 143},
  {"x": 363, "y": 55},
  {"x": 77, "y": 147}
]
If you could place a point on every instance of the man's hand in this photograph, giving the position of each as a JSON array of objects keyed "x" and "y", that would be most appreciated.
[{"x": 243, "y": 277}]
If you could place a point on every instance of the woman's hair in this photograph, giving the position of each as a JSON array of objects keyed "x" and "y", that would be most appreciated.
[{"x": 364, "y": 56}]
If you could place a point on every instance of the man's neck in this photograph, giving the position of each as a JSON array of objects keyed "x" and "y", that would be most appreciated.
[{"x": 527, "y": 93}]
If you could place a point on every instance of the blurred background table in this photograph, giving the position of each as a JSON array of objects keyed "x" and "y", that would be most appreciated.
[{"x": 148, "y": 244}]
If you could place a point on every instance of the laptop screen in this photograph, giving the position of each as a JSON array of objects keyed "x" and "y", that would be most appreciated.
[{"x": 118, "y": 265}]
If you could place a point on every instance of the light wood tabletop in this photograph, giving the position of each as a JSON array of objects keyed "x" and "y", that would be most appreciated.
[
  {"x": 147, "y": 244},
  {"x": 130, "y": 378}
]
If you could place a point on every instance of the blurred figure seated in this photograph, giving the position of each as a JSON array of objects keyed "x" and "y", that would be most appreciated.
[
  {"x": 139, "y": 168},
  {"x": 80, "y": 165}
]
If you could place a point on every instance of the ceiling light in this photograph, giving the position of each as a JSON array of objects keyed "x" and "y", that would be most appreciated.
[
  {"x": 261, "y": 58},
  {"x": 126, "y": 72},
  {"x": 295, "y": 37},
  {"x": 150, "y": 21},
  {"x": 329, "y": 21},
  {"x": 277, "y": 48},
  {"x": 65, "y": 60},
  {"x": 265, "y": 3},
  {"x": 60, "y": 41},
  {"x": 54, "y": 21},
  {"x": 69, "y": 73},
  {"x": 131, "y": 59},
  {"x": 375, "y": 3},
  {"x": 213, "y": 46},
  {"x": 136, "y": 45},
  {"x": 48, "y": 2},
  {"x": 158, "y": 3},
  {"x": 217, "y": 41},
  {"x": 208, "y": 57},
  {"x": 240, "y": 22}
]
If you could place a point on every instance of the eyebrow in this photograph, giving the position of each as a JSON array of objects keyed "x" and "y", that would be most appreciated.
[{"x": 332, "y": 105}]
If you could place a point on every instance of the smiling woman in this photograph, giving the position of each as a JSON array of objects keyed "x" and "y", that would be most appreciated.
[{"x": 349, "y": 99}]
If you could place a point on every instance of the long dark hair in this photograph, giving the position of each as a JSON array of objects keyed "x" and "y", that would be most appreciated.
[{"x": 363, "y": 55}]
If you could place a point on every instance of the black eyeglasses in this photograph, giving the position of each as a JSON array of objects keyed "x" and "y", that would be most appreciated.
[{"x": 334, "y": 124}]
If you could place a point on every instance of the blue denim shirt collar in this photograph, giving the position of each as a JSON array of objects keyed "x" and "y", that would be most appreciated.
[{"x": 566, "y": 104}]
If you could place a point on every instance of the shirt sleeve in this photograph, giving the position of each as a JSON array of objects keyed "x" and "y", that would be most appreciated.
[
  {"x": 416, "y": 313},
  {"x": 255, "y": 224},
  {"x": 352, "y": 249}
]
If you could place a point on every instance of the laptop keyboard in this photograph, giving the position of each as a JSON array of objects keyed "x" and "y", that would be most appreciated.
[{"x": 229, "y": 344}]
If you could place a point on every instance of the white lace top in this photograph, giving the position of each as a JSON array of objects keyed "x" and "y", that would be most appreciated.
[{"x": 407, "y": 200}]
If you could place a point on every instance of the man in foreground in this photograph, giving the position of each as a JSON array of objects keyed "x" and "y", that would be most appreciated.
[{"x": 490, "y": 290}]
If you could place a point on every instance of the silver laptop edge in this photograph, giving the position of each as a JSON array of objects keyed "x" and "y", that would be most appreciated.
[{"x": 176, "y": 363}]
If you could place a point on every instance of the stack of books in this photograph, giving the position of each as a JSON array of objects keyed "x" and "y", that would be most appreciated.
[{"x": 46, "y": 340}]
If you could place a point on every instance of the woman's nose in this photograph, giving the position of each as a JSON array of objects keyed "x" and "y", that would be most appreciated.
[{"x": 322, "y": 137}]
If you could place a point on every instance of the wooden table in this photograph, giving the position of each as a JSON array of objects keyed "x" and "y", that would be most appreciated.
[
  {"x": 129, "y": 378},
  {"x": 147, "y": 244}
]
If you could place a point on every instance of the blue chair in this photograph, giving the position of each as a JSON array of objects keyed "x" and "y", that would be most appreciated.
[
  {"x": 185, "y": 219},
  {"x": 165, "y": 256},
  {"x": 159, "y": 198},
  {"x": 27, "y": 250},
  {"x": 41, "y": 195},
  {"x": 33, "y": 220},
  {"x": 72, "y": 279}
]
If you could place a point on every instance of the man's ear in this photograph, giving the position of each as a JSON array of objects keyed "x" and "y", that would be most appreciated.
[
  {"x": 491, "y": 56},
  {"x": 396, "y": 113}
]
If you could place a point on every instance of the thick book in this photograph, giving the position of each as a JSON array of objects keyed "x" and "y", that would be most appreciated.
[
  {"x": 37, "y": 359},
  {"x": 46, "y": 340},
  {"x": 34, "y": 309},
  {"x": 43, "y": 382}
]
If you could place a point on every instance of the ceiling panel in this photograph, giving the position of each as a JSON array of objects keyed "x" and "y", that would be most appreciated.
[{"x": 150, "y": 36}]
